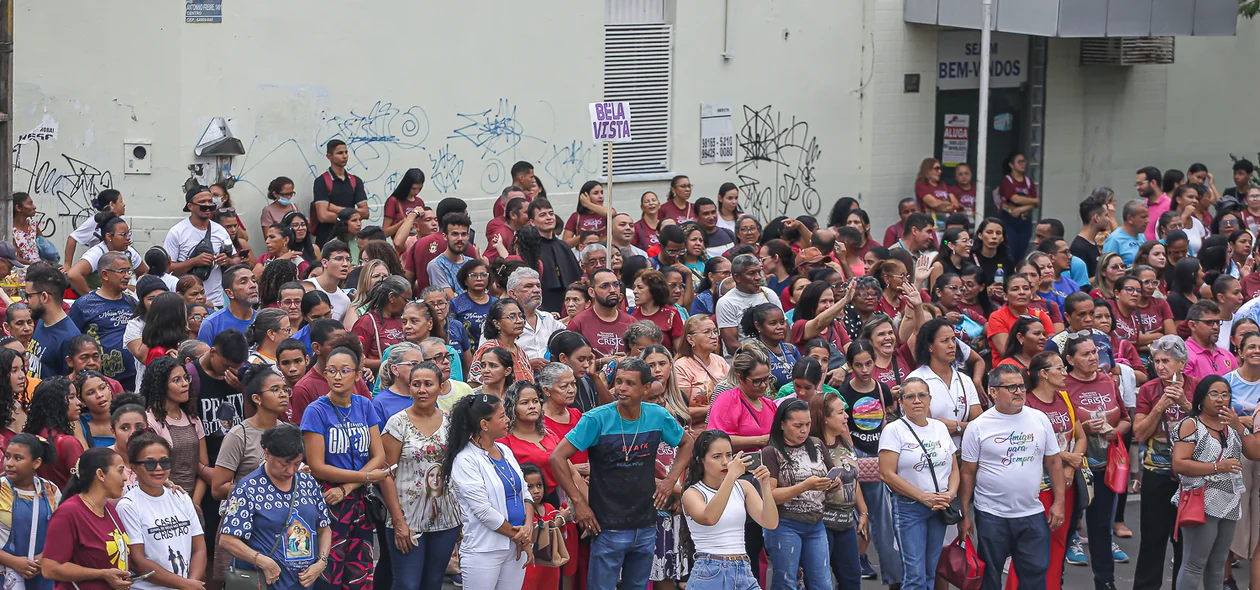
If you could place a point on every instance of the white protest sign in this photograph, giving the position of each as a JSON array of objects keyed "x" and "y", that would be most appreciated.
[
  {"x": 717, "y": 133},
  {"x": 610, "y": 122},
  {"x": 956, "y": 139}
]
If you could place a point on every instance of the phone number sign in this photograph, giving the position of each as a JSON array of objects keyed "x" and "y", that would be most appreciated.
[{"x": 717, "y": 133}]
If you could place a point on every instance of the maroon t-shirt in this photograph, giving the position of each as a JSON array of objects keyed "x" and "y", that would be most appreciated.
[
  {"x": 1127, "y": 327},
  {"x": 1100, "y": 394},
  {"x": 835, "y": 334},
  {"x": 904, "y": 365},
  {"x": 1058, "y": 413},
  {"x": 667, "y": 319},
  {"x": 605, "y": 337},
  {"x": 580, "y": 222},
  {"x": 423, "y": 252},
  {"x": 499, "y": 227},
  {"x": 397, "y": 210},
  {"x": 680, "y": 215},
  {"x": 378, "y": 333},
  {"x": 966, "y": 200},
  {"x": 1151, "y": 318},
  {"x": 87, "y": 540},
  {"x": 645, "y": 236}
]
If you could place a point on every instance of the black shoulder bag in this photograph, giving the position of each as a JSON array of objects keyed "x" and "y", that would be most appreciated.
[
  {"x": 238, "y": 579},
  {"x": 953, "y": 514}
]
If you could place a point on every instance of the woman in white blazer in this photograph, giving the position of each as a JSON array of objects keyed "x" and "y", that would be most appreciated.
[{"x": 493, "y": 499}]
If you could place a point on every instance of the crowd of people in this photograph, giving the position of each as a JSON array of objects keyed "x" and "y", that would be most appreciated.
[{"x": 693, "y": 397}]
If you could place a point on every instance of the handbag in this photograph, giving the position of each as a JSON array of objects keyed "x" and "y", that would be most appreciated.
[
  {"x": 960, "y": 565},
  {"x": 12, "y": 579},
  {"x": 1190, "y": 508},
  {"x": 953, "y": 514},
  {"x": 238, "y": 579},
  {"x": 868, "y": 469},
  {"x": 1117, "y": 475},
  {"x": 549, "y": 547}
]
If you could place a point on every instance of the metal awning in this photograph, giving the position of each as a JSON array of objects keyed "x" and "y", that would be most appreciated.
[{"x": 1085, "y": 18}]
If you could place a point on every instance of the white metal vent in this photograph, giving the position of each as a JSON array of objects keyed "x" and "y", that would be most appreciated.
[
  {"x": 1128, "y": 51},
  {"x": 638, "y": 67}
]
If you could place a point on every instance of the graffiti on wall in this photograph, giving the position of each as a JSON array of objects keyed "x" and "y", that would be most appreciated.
[
  {"x": 775, "y": 163},
  {"x": 71, "y": 182},
  {"x": 385, "y": 139}
]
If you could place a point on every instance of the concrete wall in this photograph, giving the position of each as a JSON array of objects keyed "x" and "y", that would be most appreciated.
[{"x": 460, "y": 90}]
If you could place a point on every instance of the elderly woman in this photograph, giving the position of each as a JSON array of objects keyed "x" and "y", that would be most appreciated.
[{"x": 1162, "y": 403}]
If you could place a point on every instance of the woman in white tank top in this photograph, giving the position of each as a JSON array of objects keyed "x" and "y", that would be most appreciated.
[{"x": 716, "y": 502}]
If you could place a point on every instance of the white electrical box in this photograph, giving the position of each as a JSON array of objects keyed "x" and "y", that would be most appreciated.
[{"x": 137, "y": 157}]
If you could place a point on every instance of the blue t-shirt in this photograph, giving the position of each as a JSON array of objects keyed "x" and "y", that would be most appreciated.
[
  {"x": 449, "y": 271},
  {"x": 471, "y": 314},
  {"x": 781, "y": 363},
  {"x": 457, "y": 336},
  {"x": 1063, "y": 287},
  {"x": 258, "y": 513},
  {"x": 388, "y": 403},
  {"x": 703, "y": 303},
  {"x": 303, "y": 336},
  {"x": 222, "y": 320},
  {"x": 48, "y": 348},
  {"x": 97, "y": 441},
  {"x": 1124, "y": 244},
  {"x": 106, "y": 320},
  {"x": 623, "y": 461},
  {"x": 512, "y": 488},
  {"x": 346, "y": 431}
]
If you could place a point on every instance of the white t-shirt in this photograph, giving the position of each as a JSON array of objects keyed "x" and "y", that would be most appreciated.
[
  {"x": 93, "y": 256},
  {"x": 722, "y": 222},
  {"x": 949, "y": 401},
  {"x": 337, "y": 297},
  {"x": 1009, "y": 450},
  {"x": 165, "y": 525},
  {"x": 726, "y": 536},
  {"x": 181, "y": 240},
  {"x": 912, "y": 458},
  {"x": 135, "y": 331},
  {"x": 730, "y": 308},
  {"x": 85, "y": 234}
]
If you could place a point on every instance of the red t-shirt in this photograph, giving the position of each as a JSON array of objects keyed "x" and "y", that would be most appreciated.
[
  {"x": 666, "y": 319},
  {"x": 500, "y": 206},
  {"x": 605, "y": 337},
  {"x": 1097, "y": 395},
  {"x": 423, "y": 252},
  {"x": 1002, "y": 320},
  {"x": 904, "y": 365},
  {"x": 1127, "y": 327},
  {"x": 499, "y": 227},
  {"x": 893, "y": 234},
  {"x": 966, "y": 200},
  {"x": 1151, "y": 318},
  {"x": 68, "y": 451},
  {"x": 835, "y": 334},
  {"x": 562, "y": 430},
  {"x": 311, "y": 387},
  {"x": 922, "y": 189},
  {"x": 397, "y": 210},
  {"x": 645, "y": 237},
  {"x": 528, "y": 452},
  {"x": 378, "y": 333},
  {"x": 580, "y": 222},
  {"x": 87, "y": 540},
  {"x": 680, "y": 215}
]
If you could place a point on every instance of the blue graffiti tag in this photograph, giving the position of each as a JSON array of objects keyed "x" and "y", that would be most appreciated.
[
  {"x": 447, "y": 168},
  {"x": 568, "y": 162},
  {"x": 495, "y": 131}
]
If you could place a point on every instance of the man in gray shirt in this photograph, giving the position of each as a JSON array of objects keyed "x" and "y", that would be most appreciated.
[{"x": 747, "y": 274}]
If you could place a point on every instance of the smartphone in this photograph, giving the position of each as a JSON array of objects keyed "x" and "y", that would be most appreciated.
[
  {"x": 835, "y": 473},
  {"x": 393, "y": 468},
  {"x": 137, "y": 578},
  {"x": 416, "y": 537}
]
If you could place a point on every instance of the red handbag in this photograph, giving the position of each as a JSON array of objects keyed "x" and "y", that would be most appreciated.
[
  {"x": 1117, "y": 476},
  {"x": 960, "y": 565},
  {"x": 1190, "y": 510}
]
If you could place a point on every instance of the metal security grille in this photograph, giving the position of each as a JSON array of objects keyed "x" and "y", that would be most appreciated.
[
  {"x": 638, "y": 67},
  {"x": 1128, "y": 51}
]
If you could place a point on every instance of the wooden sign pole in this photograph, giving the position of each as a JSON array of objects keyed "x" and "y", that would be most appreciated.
[{"x": 608, "y": 196}]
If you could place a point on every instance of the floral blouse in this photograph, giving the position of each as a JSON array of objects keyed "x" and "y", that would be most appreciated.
[{"x": 428, "y": 505}]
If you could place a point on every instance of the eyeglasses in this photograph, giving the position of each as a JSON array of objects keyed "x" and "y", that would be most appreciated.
[
  {"x": 937, "y": 168},
  {"x": 1017, "y": 388},
  {"x": 298, "y": 225},
  {"x": 196, "y": 317},
  {"x": 478, "y": 275},
  {"x": 899, "y": 277},
  {"x": 1218, "y": 394},
  {"x": 909, "y": 397},
  {"x": 951, "y": 287},
  {"x": 612, "y": 285},
  {"x": 291, "y": 303},
  {"x": 152, "y": 465},
  {"x": 676, "y": 253},
  {"x": 512, "y": 317},
  {"x": 444, "y": 357},
  {"x": 288, "y": 195},
  {"x": 1132, "y": 290},
  {"x": 341, "y": 259},
  {"x": 278, "y": 389},
  {"x": 125, "y": 234},
  {"x": 440, "y": 304},
  {"x": 1213, "y": 323},
  {"x": 751, "y": 229},
  {"x": 342, "y": 372},
  {"x": 1151, "y": 282},
  {"x": 406, "y": 363},
  {"x": 762, "y": 382},
  {"x": 121, "y": 271}
]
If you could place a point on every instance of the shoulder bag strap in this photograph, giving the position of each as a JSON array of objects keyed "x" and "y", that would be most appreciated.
[
  {"x": 293, "y": 492},
  {"x": 931, "y": 469},
  {"x": 39, "y": 489},
  {"x": 896, "y": 369},
  {"x": 377, "y": 329}
]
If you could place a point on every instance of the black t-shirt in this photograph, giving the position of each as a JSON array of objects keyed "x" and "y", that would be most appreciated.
[
  {"x": 1087, "y": 251},
  {"x": 866, "y": 415},
  {"x": 343, "y": 194},
  {"x": 720, "y": 237},
  {"x": 216, "y": 398}
]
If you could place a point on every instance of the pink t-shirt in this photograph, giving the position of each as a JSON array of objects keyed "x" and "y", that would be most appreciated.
[
  {"x": 733, "y": 414},
  {"x": 1202, "y": 362},
  {"x": 1162, "y": 204}
]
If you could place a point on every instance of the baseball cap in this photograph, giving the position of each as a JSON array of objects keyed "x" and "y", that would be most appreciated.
[
  {"x": 809, "y": 255},
  {"x": 8, "y": 252},
  {"x": 192, "y": 194}
]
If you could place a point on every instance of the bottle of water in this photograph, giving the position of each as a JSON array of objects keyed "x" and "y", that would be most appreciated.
[{"x": 999, "y": 275}]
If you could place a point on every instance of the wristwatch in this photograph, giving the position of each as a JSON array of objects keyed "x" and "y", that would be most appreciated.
[
  {"x": 323, "y": 558},
  {"x": 958, "y": 426}
]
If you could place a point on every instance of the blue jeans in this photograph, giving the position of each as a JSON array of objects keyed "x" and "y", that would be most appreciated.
[
  {"x": 920, "y": 535},
  {"x": 425, "y": 564},
  {"x": 1025, "y": 540},
  {"x": 624, "y": 555},
  {"x": 721, "y": 573},
  {"x": 793, "y": 546},
  {"x": 878, "y": 503},
  {"x": 845, "y": 565}
]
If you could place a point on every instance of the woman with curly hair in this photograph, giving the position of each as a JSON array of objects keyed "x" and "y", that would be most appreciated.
[
  {"x": 54, "y": 410},
  {"x": 172, "y": 413},
  {"x": 651, "y": 295},
  {"x": 12, "y": 394},
  {"x": 301, "y": 239},
  {"x": 274, "y": 274}
]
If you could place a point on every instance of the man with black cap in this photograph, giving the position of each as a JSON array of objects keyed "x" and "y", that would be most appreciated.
[
  {"x": 199, "y": 246},
  {"x": 416, "y": 260}
]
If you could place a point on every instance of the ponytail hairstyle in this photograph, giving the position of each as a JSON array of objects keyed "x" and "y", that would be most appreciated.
[
  {"x": 105, "y": 198},
  {"x": 125, "y": 403},
  {"x": 710, "y": 267},
  {"x": 157, "y": 260},
  {"x": 395, "y": 356},
  {"x": 84, "y": 472},
  {"x": 140, "y": 441},
  {"x": 379, "y": 296},
  {"x": 755, "y": 316},
  {"x": 695, "y": 474},
  {"x": 809, "y": 369},
  {"x": 1039, "y": 363},
  {"x": 265, "y": 321},
  {"x": 777, "y": 442},
  {"x": 38, "y": 447},
  {"x": 106, "y": 221},
  {"x": 465, "y": 423}
]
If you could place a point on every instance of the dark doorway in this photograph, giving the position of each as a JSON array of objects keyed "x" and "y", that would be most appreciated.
[{"x": 1006, "y": 105}]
